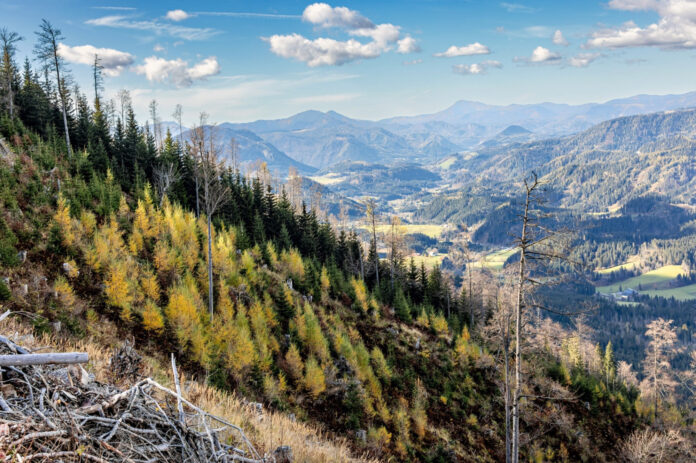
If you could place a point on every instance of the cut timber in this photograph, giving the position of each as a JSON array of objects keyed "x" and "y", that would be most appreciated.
[{"x": 43, "y": 359}]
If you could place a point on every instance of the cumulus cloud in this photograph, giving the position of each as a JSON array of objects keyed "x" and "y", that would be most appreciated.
[
  {"x": 177, "y": 15},
  {"x": 113, "y": 61},
  {"x": 582, "y": 60},
  {"x": 675, "y": 29},
  {"x": 326, "y": 51},
  {"x": 177, "y": 72},
  {"x": 159, "y": 28},
  {"x": 322, "y": 51},
  {"x": 476, "y": 68},
  {"x": 558, "y": 38},
  {"x": 324, "y": 15},
  {"x": 466, "y": 50},
  {"x": 540, "y": 55},
  {"x": 407, "y": 45}
]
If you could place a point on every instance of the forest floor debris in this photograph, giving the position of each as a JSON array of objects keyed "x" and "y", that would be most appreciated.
[{"x": 60, "y": 413}]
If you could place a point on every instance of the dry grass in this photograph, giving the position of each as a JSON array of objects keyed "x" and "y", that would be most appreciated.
[{"x": 266, "y": 431}]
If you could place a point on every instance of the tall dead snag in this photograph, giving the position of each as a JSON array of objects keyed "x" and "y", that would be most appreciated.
[
  {"x": 8, "y": 48},
  {"x": 46, "y": 50},
  {"x": 499, "y": 330},
  {"x": 537, "y": 244},
  {"x": 209, "y": 171},
  {"x": 659, "y": 376}
]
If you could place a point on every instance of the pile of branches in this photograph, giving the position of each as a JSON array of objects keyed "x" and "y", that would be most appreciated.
[{"x": 58, "y": 413}]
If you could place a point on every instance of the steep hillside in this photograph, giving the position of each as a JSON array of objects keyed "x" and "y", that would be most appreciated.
[{"x": 293, "y": 324}]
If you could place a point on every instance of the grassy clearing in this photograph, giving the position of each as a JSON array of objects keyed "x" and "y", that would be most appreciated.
[
  {"x": 630, "y": 265},
  {"x": 495, "y": 260},
  {"x": 447, "y": 163},
  {"x": 431, "y": 230},
  {"x": 684, "y": 293},
  {"x": 329, "y": 179},
  {"x": 649, "y": 279}
]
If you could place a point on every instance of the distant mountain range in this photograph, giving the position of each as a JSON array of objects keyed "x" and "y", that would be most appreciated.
[{"x": 318, "y": 140}]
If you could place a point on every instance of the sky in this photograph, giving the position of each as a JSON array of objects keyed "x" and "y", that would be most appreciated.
[{"x": 243, "y": 61}]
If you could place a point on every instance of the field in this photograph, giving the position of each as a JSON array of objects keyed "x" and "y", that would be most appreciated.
[
  {"x": 683, "y": 293},
  {"x": 433, "y": 231},
  {"x": 329, "y": 179},
  {"x": 495, "y": 260},
  {"x": 651, "y": 279},
  {"x": 447, "y": 163},
  {"x": 630, "y": 265}
]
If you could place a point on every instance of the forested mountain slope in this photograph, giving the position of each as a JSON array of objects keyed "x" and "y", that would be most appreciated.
[{"x": 606, "y": 165}]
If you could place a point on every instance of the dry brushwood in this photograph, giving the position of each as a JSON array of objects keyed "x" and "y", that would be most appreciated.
[
  {"x": 54, "y": 413},
  {"x": 126, "y": 364}
]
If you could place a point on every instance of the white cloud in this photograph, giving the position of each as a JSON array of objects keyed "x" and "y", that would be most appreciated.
[
  {"x": 383, "y": 33},
  {"x": 183, "y": 32},
  {"x": 158, "y": 48},
  {"x": 558, "y": 38},
  {"x": 466, "y": 50},
  {"x": 324, "y": 15},
  {"x": 582, "y": 60},
  {"x": 327, "y": 51},
  {"x": 675, "y": 29},
  {"x": 176, "y": 71},
  {"x": 322, "y": 51},
  {"x": 407, "y": 45},
  {"x": 113, "y": 61},
  {"x": 412, "y": 62},
  {"x": 540, "y": 55},
  {"x": 476, "y": 68},
  {"x": 543, "y": 55},
  {"x": 177, "y": 15}
]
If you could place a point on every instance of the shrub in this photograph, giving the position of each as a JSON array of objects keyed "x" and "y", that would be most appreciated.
[{"x": 314, "y": 379}]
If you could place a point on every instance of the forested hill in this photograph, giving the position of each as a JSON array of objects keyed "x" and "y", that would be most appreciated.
[{"x": 606, "y": 165}]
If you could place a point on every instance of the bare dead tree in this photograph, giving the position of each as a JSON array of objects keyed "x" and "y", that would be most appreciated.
[
  {"x": 125, "y": 102},
  {"x": 46, "y": 50},
  {"x": 537, "y": 244},
  {"x": 98, "y": 80},
  {"x": 156, "y": 124},
  {"x": 8, "y": 41},
  {"x": 166, "y": 175},
  {"x": 211, "y": 168},
  {"x": 659, "y": 376}
]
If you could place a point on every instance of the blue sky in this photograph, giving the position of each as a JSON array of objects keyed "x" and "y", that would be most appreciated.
[{"x": 242, "y": 61}]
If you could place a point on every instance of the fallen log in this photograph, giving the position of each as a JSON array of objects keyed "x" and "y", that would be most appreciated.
[{"x": 43, "y": 359}]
